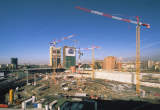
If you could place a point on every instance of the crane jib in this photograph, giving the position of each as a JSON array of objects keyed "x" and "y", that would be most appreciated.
[{"x": 113, "y": 17}]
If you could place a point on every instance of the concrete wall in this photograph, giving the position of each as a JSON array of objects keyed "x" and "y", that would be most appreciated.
[{"x": 125, "y": 77}]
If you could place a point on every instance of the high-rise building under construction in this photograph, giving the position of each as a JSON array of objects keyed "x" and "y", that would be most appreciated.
[
  {"x": 109, "y": 63},
  {"x": 55, "y": 56},
  {"x": 69, "y": 57}
]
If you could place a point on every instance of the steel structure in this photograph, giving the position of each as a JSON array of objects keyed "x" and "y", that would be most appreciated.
[{"x": 138, "y": 23}]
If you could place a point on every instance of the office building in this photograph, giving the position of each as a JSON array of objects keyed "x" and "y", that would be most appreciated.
[
  {"x": 55, "y": 57},
  {"x": 150, "y": 64},
  {"x": 69, "y": 57},
  {"x": 14, "y": 63}
]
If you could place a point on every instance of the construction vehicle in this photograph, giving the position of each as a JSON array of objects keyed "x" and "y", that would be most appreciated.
[{"x": 11, "y": 96}]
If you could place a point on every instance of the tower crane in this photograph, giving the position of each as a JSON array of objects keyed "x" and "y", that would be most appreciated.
[
  {"x": 139, "y": 24},
  {"x": 93, "y": 57},
  {"x": 54, "y": 43},
  {"x": 79, "y": 57}
]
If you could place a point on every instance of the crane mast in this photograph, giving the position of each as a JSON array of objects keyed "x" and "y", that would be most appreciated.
[
  {"x": 139, "y": 24},
  {"x": 138, "y": 59},
  {"x": 93, "y": 63}
]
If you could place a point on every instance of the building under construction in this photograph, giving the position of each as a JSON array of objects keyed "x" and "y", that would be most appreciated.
[
  {"x": 55, "y": 56},
  {"x": 69, "y": 57},
  {"x": 109, "y": 63}
]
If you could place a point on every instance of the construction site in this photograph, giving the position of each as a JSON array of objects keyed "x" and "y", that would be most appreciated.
[
  {"x": 67, "y": 83},
  {"x": 80, "y": 88}
]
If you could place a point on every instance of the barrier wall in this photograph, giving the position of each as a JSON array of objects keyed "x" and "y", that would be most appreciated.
[{"x": 125, "y": 77}]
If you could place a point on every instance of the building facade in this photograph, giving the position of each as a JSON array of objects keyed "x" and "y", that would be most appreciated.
[
  {"x": 14, "y": 63},
  {"x": 69, "y": 57},
  {"x": 55, "y": 57},
  {"x": 150, "y": 64},
  {"x": 119, "y": 66},
  {"x": 144, "y": 65},
  {"x": 109, "y": 63}
]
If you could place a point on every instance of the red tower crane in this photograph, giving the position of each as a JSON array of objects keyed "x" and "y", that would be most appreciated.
[{"x": 138, "y": 23}]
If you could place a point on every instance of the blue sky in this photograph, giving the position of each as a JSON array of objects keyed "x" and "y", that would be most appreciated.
[{"x": 27, "y": 27}]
